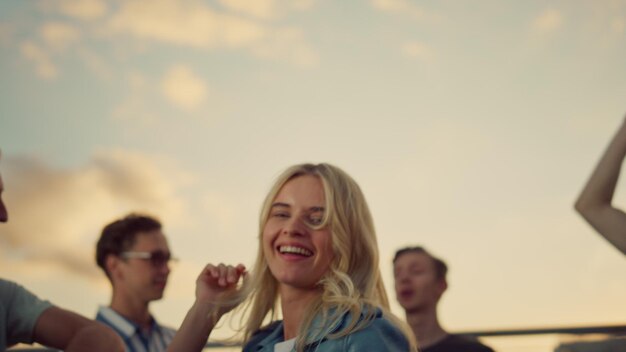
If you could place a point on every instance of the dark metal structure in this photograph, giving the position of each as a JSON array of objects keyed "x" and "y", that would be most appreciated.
[{"x": 612, "y": 330}]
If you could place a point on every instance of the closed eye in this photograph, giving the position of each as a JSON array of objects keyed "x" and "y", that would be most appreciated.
[{"x": 280, "y": 214}]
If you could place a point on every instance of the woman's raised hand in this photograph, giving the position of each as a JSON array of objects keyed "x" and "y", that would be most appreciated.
[
  {"x": 216, "y": 294},
  {"x": 219, "y": 284}
]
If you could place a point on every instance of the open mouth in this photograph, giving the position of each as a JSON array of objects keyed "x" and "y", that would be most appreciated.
[
  {"x": 294, "y": 250},
  {"x": 159, "y": 282},
  {"x": 406, "y": 293}
]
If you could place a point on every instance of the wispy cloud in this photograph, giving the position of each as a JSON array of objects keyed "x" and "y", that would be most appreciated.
[
  {"x": 54, "y": 38},
  {"x": 245, "y": 26},
  {"x": 135, "y": 105},
  {"x": 56, "y": 214},
  {"x": 183, "y": 23},
  {"x": 618, "y": 25},
  {"x": 193, "y": 24},
  {"x": 83, "y": 9},
  {"x": 95, "y": 63},
  {"x": 418, "y": 50},
  {"x": 179, "y": 85},
  {"x": 404, "y": 8},
  {"x": 610, "y": 16},
  {"x": 58, "y": 35},
  {"x": 287, "y": 45},
  {"x": 184, "y": 88},
  {"x": 548, "y": 21},
  {"x": 44, "y": 66},
  {"x": 266, "y": 9}
]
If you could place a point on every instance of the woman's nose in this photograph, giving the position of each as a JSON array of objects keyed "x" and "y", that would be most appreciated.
[{"x": 294, "y": 226}]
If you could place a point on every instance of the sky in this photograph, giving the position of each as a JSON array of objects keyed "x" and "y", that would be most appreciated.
[{"x": 470, "y": 126}]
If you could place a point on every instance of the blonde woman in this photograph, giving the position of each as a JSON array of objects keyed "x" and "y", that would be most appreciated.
[{"x": 317, "y": 261}]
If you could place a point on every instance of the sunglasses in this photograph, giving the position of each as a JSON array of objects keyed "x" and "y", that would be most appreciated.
[{"x": 156, "y": 258}]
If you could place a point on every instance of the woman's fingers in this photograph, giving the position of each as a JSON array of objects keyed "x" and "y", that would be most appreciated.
[
  {"x": 234, "y": 273},
  {"x": 224, "y": 275},
  {"x": 211, "y": 271},
  {"x": 223, "y": 269},
  {"x": 241, "y": 268}
]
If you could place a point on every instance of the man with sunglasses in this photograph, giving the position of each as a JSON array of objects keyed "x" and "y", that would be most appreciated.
[{"x": 135, "y": 256}]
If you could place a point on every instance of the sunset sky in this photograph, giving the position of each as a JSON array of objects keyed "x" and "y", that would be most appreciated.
[{"x": 471, "y": 127}]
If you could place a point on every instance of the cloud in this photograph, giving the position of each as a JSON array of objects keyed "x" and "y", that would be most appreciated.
[
  {"x": 418, "y": 50},
  {"x": 58, "y": 36},
  {"x": 83, "y": 9},
  {"x": 287, "y": 44},
  {"x": 193, "y": 24},
  {"x": 260, "y": 8},
  {"x": 55, "y": 215},
  {"x": 96, "y": 64},
  {"x": 54, "y": 38},
  {"x": 135, "y": 106},
  {"x": 52, "y": 260},
  {"x": 184, "y": 23},
  {"x": 618, "y": 25},
  {"x": 391, "y": 5},
  {"x": 266, "y": 9},
  {"x": 183, "y": 88},
  {"x": 190, "y": 24},
  {"x": 180, "y": 86},
  {"x": 548, "y": 21},
  {"x": 403, "y": 7},
  {"x": 44, "y": 66}
]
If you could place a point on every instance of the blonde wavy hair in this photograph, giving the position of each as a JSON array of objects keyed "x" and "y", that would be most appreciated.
[{"x": 353, "y": 283}]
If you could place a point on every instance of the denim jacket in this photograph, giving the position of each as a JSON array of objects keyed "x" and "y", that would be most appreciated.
[{"x": 378, "y": 335}]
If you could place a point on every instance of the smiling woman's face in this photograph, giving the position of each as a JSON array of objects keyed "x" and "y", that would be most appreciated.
[{"x": 297, "y": 254}]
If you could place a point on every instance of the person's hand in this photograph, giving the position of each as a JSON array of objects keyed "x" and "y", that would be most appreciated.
[
  {"x": 217, "y": 292},
  {"x": 217, "y": 285}
]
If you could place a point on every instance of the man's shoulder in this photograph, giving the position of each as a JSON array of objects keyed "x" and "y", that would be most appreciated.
[
  {"x": 20, "y": 311},
  {"x": 10, "y": 288},
  {"x": 14, "y": 294}
]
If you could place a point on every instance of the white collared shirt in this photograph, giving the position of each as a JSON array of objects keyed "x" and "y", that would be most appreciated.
[
  {"x": 285, "y": 346},
  {"x": 135, "y": 339}
]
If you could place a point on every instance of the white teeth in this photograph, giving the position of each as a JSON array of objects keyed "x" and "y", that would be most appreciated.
[{"x": 295, "y": 250}]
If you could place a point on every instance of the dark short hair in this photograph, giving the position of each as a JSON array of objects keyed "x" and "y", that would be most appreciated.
[
  {"x": 441, "y": 269},
  {"x": 120, "y": 235}
]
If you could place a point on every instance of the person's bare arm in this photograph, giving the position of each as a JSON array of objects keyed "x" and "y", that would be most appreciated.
[
  {"x": 60, "y": 328},
  {"x": 595, "y": 201},
  {"x": 214, "y": 286}
]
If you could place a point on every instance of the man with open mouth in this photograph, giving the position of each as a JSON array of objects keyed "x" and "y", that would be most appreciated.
[{"x": 420, "y": 281}]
